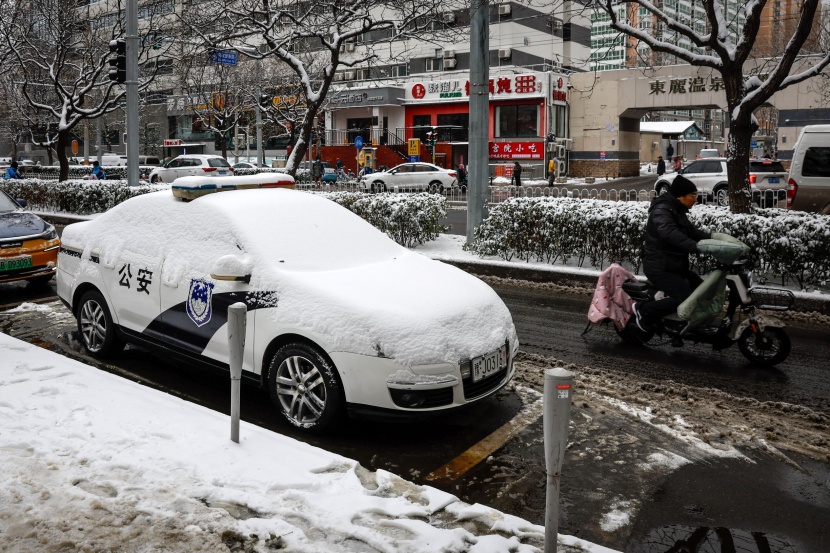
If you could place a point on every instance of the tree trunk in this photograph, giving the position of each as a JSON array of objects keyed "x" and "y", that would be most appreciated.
[
  {"x": 63, "y": 141},
  {"x": 737, "y": 163}
]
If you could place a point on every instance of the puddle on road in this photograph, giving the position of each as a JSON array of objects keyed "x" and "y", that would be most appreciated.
[{"x": 679, "y": 538}]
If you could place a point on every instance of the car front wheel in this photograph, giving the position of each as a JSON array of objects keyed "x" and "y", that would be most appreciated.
[
  {"x": 96, "y": 327},
  {"x": 722, "y": 196},
  {"x": 154, "y": 179},
  {"x": 305, "y": 388},
  {"x": 662, "y": 189}
]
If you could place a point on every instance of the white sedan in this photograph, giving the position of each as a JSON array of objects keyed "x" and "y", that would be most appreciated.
[
  {"x": 191, "y": 165},
  {"x": 340, "y": 317},
  {"x": 410, "y": 176}
]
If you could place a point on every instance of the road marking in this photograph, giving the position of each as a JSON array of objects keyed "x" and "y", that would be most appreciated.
[{"x": 459, "y": 466}]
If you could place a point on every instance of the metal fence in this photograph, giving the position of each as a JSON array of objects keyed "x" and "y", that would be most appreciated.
[{"x": 457, "y": 197}]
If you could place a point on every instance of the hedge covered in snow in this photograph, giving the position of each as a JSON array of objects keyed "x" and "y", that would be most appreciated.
[
  {"x": 794, "y": 246},
  {"x": 51, "y": 172},
  {"x": 408, "y": 219},
  {"x": 78, "y": 196}
]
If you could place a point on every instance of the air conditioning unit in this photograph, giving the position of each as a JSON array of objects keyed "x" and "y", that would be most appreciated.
[
  {"x": 449, "y": 17},
  {"x": 449, "y": 54},
  {"x": 555, "y": 24},
  {"x": 504, "y": 9},
  {"x": 654, "y": 145},
  {"x": 504, "y": 53},
  {"x": 348, "y": 75},
  {"x": 338, "y": 76},
  {"x": 449, "y": 63},
  {"x": 350, "y": 46}
]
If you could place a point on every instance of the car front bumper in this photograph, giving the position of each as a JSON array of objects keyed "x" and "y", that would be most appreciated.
[{"x": 44, "y": 255}]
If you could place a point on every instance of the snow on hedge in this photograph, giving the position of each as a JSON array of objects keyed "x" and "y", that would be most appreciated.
[
  {"x": 791, "y": 245},
  {"x": 81, "y": 197},
  {"x": 409, "y": 219}
]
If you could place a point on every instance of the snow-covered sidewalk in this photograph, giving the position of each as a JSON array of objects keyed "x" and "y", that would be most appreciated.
[{"x": 93, "y": 462}]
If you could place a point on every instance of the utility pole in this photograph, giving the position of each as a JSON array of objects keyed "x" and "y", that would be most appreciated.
[
  {"x": 260, "y": 153},
  {"x": 479, "y": 171},
  {"x": 132, "y": 92}
]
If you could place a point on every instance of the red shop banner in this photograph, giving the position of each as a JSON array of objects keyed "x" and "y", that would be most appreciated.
[{"x": 517, "y": 150}]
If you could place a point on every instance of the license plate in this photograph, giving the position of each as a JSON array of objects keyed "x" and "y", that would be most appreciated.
[
  {"x": 773, "y": 180},
  {"x": 222, "y": 172},
  {"x": 15, "y": 263},
  {"x": 489, "y": 364}
]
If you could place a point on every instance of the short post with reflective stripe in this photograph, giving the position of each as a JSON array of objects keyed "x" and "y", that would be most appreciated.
[
  {"x": 557, "y": 414},
  {"x": 237, "y": 315}
]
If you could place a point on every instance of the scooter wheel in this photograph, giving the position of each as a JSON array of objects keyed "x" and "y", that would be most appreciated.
[
  {"x": 633, "y": 335},
  {"x": 767, "y": 348}
]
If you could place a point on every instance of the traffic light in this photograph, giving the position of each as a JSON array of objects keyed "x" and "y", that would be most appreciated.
[
  {"x": 118, "y": 63},
  {"x": 432, "y": 138},
  {"x": 265, "y": 101}
]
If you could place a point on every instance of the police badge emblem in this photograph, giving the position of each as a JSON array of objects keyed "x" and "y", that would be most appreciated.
[{"x": 199, "y": 301}]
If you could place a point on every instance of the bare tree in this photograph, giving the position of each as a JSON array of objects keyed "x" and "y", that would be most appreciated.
[
  {"x": 61, "y": 57},
  {"x": 217, "y": 94},
  {"x": 726, "y": 43},
  {"x": 309, "y": 36}
]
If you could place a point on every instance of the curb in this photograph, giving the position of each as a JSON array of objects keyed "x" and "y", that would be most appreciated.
[{"x": 803, "y": 302}]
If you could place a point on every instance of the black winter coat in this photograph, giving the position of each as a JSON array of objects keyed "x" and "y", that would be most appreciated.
[
  {"x": 661, "y": 167},
  {"x": 670, "y": 237}
]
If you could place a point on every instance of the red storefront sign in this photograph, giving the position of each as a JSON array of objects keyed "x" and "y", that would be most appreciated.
[{"x": 516, "y": 150}]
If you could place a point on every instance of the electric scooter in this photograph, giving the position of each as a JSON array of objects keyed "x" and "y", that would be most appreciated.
[{"x": 702, "y": 319}]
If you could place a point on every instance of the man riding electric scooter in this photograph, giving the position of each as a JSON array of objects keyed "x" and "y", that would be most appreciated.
[{"x": 670, "y": 238}]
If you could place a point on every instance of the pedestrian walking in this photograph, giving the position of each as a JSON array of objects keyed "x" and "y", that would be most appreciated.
[
  {"x": 317, "y": 170},
  {"x": 677, "y": 164},
  {"x": 517, "y": 174},
  {"x": 661, "y": 166},
  {"x": 670, "y": 151}
]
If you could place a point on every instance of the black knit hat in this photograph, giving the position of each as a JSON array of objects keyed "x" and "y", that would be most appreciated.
[{"x": 682, "y": 186}]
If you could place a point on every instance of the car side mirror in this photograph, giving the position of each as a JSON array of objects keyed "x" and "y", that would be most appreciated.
[
  {"x": 231, "y": 267},
  {"x": 21, "y": 202}
]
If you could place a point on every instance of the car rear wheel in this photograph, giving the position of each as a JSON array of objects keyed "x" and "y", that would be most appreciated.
[
  {"x": 305, "y": 387},
  {"x": 96, "y": 327},
  {"x": 154, "y": 179},
  {"x": 663, "y": 188},
  {"x": 378, "y": 186},
  {"x": 436, "y": 187}
]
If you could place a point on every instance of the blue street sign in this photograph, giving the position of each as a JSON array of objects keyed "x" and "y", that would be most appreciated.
[
  {"x": 223, "y": 57},
  {"x": 753, "y": 144},
  {"x": 358, "y": 142},
  {"x": 413, "y": 159}
]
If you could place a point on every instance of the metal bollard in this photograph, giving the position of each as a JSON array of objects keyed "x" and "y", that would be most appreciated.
[
  {"x": 237, "y": 315},
  {"x": 557, "y": 414}
]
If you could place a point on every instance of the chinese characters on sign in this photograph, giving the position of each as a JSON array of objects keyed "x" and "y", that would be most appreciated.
[
  {"x": 512, "y": 86},
  {"x": 143, "y": 279},
  {"x": 686, "y": 84},
  {"x": 516, "y": 150}
]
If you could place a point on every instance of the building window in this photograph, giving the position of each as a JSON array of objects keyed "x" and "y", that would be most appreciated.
[
  {"x": 435, "y": 64},
  {"x": 399, "y": 71},
  {"x": 453, "y": 127},
  {"x": 517, "y": 121}
]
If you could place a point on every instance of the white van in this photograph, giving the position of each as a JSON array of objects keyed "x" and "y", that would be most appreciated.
[{"x": 808, "y": 187}]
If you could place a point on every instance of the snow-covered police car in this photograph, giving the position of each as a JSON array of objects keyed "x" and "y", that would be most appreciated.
[{"x": 339, "y": 315}]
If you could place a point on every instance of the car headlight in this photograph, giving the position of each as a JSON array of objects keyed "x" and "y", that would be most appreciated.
[{"x": 50, "y": 233}]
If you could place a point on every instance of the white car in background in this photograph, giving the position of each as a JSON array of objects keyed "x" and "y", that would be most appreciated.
[
  {"x": 340, "y": 317},
  {"x": 410, "y": 176},
  {"x": 191, "y": 165}
]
